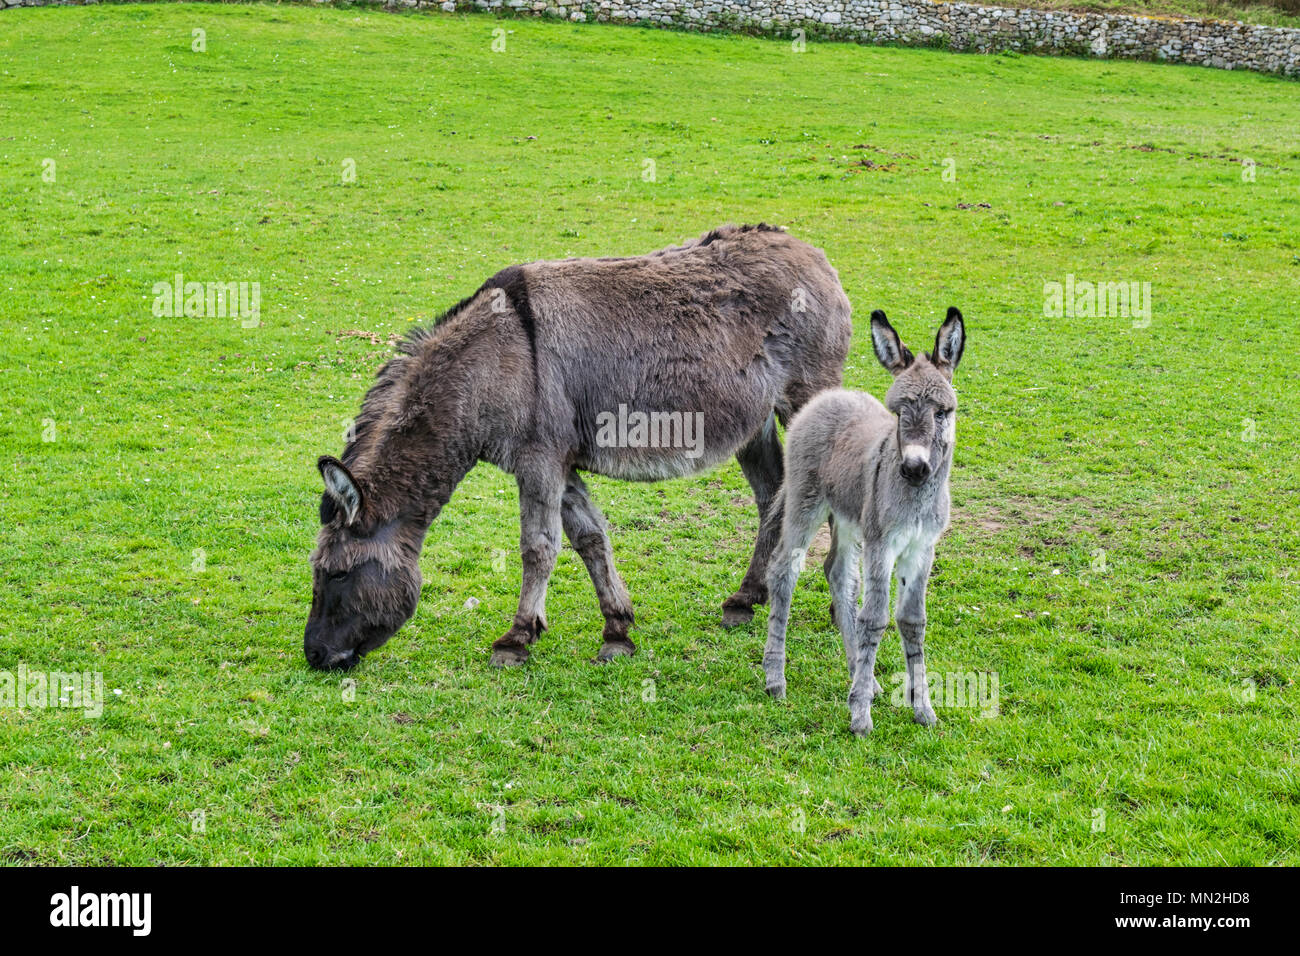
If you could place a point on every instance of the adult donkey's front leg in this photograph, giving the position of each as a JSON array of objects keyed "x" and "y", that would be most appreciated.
[
  {"x": 587, "y": 531},
  {"x": 541, "y": 490},
  {"x": 760, "y": 460}
]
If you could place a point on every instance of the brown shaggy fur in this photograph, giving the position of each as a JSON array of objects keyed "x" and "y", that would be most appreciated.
[{"x": 741, "y": 324}]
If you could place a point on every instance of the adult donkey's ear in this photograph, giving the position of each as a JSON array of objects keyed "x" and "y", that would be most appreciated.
[
  {"x": 950, "y": 341},
  {"x": 341, "y": 487},
  {"x": 893, "y": 354}
]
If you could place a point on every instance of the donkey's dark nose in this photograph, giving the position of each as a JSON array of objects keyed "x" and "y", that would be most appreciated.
[
  {"x": 916, "y": 470},
  {"x": 323, "y": 659}
]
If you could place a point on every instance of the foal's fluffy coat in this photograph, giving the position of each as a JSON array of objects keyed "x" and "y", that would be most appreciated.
[{"x": 881, "y": 473}]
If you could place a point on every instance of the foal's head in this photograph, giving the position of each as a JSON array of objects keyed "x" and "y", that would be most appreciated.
[
  {"x": 922, "y": 395},
  {"x": 365, "y": 575}
]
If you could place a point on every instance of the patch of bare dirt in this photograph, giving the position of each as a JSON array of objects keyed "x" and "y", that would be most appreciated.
[
  {"x": 992, "y": 516},
  {"x": 374, "y": 338},
  {"x": 820, "y": 546}
]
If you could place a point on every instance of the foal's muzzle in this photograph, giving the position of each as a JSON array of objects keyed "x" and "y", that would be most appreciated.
[
  {"x": 916, "y": 464},
  {"x": 916, "y": 472}
]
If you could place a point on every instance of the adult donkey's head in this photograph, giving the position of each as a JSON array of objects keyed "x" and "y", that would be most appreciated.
[
  {"x": 922, "y": 395},
  {"x": 365, "y": 573}
]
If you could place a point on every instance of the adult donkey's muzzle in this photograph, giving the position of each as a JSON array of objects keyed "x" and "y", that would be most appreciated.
[{"x": 325, "y": 658}]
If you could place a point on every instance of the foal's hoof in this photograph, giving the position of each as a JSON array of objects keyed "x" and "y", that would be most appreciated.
[
  {"x": 509, "y": 655},
  {"x": 776, "y": 691},
  {"x": 925, "y": 716},
  {"x": 736, "y": 615},
  {"x": 614, "y": 649},
  {"x": 862, "y": 727}
]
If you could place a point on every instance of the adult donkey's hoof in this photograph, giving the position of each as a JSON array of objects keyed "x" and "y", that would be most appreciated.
[
  {"x": 511, "y": 648},
  {"x": 734, "y": 615},
  {"x": 611, "y": 650},
  {"x": 509, "y": 655}
]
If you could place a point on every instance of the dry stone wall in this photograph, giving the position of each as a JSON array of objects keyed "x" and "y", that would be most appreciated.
[{"x": 957, "y": 26}]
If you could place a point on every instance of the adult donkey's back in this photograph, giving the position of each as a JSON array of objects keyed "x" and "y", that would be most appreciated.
[{"x": 642, "y": 368}]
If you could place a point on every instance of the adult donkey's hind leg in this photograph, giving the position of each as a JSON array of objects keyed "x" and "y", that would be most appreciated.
[
  {"x": 587, "y": 531},
  {"x": 541, "y": 490},
  {"x": 760, "y": 460}
]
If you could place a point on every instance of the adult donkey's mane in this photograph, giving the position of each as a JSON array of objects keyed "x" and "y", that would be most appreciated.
[
  {"x": 511, "y": 281},
  {"x": 382, "y": 403}
]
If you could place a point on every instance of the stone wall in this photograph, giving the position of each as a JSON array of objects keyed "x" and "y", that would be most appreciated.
[{"x": 957, "y": 26}]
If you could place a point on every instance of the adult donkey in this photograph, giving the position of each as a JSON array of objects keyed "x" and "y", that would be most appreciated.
[{"x": 726, "y": 331}]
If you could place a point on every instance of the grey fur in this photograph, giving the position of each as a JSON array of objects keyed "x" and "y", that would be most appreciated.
[
  {"x": 741, "y": 325},
  {"x": 881, "y": 472}
]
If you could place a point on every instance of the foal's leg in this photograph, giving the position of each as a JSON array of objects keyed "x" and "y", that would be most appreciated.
[
  {"x": 804, "y": 512},
  {"x": 588, "y": 533},
  {"x": 540, "y": 492},
  {"x": 871, "y": 620},
  {"x": 843, "y": 569},
  {"x": 913, "y": 576},
  {"x": 760, "y": 460},
  {"x": 829, "y": 565}
]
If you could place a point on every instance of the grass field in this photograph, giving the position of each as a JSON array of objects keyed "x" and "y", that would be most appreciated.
[{"x": 1124, "y": 549}]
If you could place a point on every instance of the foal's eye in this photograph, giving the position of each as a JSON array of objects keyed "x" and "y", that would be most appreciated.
[{"x": 337, "y": 575}]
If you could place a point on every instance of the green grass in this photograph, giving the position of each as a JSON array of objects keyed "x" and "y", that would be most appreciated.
[{"x": 1121, "y": 690}]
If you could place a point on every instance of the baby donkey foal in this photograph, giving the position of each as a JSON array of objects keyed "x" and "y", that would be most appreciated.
[{"x": 884, "y": 479}]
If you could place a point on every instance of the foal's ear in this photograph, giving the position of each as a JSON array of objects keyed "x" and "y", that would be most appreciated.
[
  {"x": 893, "y": 354},
  {"x": 950, "y": 341},
  {"x": 340, "y": 486}
]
